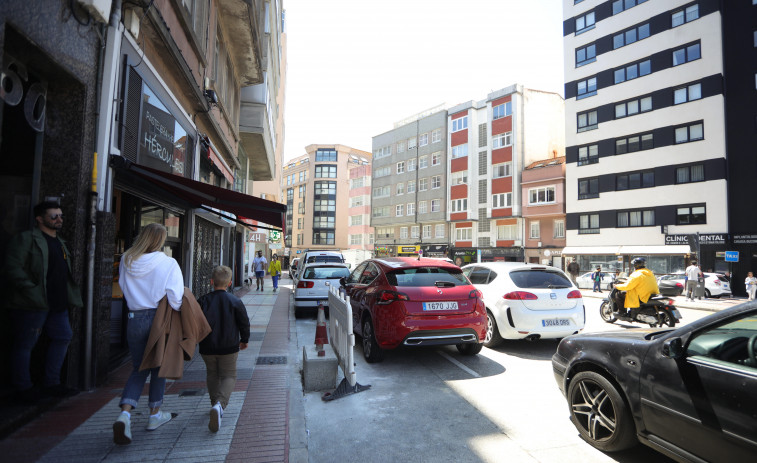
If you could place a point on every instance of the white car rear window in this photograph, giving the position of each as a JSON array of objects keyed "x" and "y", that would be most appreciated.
[
  {"x": 325, "y": 273},
  {"x": 539, "y": 279}
]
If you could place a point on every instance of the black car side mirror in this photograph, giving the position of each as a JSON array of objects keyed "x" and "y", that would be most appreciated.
[
  {"x": 673, "y": 348},
  {"x": 343, "y": 281}
]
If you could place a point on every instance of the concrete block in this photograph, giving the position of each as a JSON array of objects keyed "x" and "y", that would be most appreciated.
[{"x": 318, "y": 373}]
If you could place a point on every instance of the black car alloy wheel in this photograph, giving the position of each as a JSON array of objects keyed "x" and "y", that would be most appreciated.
[{"x": 599, "y": 412}]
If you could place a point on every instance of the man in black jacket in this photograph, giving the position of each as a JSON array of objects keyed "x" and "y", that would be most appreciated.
[{"x": 227, "y": 317}]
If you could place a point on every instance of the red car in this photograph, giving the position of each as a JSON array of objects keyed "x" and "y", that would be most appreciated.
[{"x": 414, "y": 302}]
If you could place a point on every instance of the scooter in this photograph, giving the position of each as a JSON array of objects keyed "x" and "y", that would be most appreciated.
[{"x": 657, "y": 311}]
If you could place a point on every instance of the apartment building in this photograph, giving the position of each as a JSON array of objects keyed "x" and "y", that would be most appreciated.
[
  {"x": 409, "y": 185},
  {"x": 490, "y": 142},
  {"x": 316, "y": 186},
  {"x": 543, "y": 196},
  {"x": 359, "y": 230},
  {"x": 648, "y": 150}
]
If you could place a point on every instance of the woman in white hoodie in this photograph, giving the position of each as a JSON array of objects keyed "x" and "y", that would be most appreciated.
[{"x": 146, "y": 276}]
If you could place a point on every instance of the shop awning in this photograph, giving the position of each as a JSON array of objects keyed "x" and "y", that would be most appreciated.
[
  {"x": 656, "y": 250},
  {"x": 201, "y": 195},
  {"x": 590, "y": 250}
]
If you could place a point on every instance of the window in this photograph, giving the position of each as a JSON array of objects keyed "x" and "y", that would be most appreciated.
[
  {"x": 400, "y": 188},
  {"x": 323, "y": 237},
  {"x": 585, "y": 22},
  {"x": 411, "y": 165},
  {"x": 643, "y": 218},
  {"x": 411, "y": 143},
  {"x": 587, "y": 120},
  {"x": 543, "y": 195},
  {"x": 300, "y": 238},
  {"x": 415, "y": 231},
  {"x": 411, "y": 186},
  {"x": 633, "y": 71},
  {"x": 502, "y": 110},
  {"x": 399, "y": 210},
  {"x": 357, "y": 201},
  {"x": 502, "y": 170},
  {"x": 410, "y": 209},
  {"x": 301, "y": 207},
  {"x": 586, "y": 88},
  {"x": 324, "y": 188},
  {"x": 300, "y": 223},
  {"x": 507, "y": 232},
  {"x": 502, "y": 140},
  {"x": 382, "y": 191},
  {"x": 634, "y": 143},
  {"x": 588, "y": 224},
  {"x": 325, "y": 156},
  {"x": 303, "y": 175},
  {"x": 690, "y": 174},
  {"x": 323, "y": 221},
  {"x": 691, "y": 215},
  {"x": 439, "y": 231},
  {"x": 501, "y": 200},
  {"x": 588, "y": 188},
  {"x": 458, "y": 205},
  {"x": 686, "y": 54},
  {"x": 358, "y": 182},
  {"x": 688, "y": 93},
  {"x": 634, "y": 180},
  {"x": 422, "y": 207},
  {"x": 356, "y": 239},
  {"x": 461, "y": 123},
  {"x": 423, "y": 184},
  {"x": 401, "y": 167},
  {"x": 290, "y": 194},
  {"x": 619, "y": 6},
  {"x": 460, "y": 151},
  {"x": 427, "y": 231},
  {"x": 436, "y": 158},
  {"x": 423, "y": 139},
  {"x": 692, "y": 132},
  {"x": 588, "y": 155},
  {"x": 435, "y": 205},
  {"x": 382, "y": 152},
  {"x": 403, "y": 233},
  {"x": 385, "y": 232},
  {"x": 325, "y": 171},
  {"x": 683, "y": 16},
  {"x": 463, "y": 234},
  {"x": 630, "y": 36},
  {"x": 324, "y": 205},
  {"x": 436, "y": 181},
  {"x": 436, "y": 136},
  {"x": 400, "y": 147},
  {"x": 586, "y": 55},
  {"x": 423, "y": 162},
  {"x": 559, "y": 229},
  {"x": 534, "y": 228},
  {"x": 460, "y": 178},
  {"x": 382, "y": 172},
  {"x": 629, "y": 108}
]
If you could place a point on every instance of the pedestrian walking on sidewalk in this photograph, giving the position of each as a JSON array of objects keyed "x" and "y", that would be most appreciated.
[
  {"x": 146, "y": 276},
  {"x": 751, "y": 285},
  {"x": 41, "y": 291},
  {"x": 596, "y": 277},
  {"x": 274, "y": 269},
  {"x": 227, "y": 317},
  {"x": 259, "y": 265}
]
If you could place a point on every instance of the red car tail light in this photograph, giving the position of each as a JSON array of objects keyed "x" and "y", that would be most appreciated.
[
  {"x": 475, "y": 294},
  {"x": 305, "y": 284},
  {"x": 387, "y": 297},
  {"x": 575, "y": 294},
  {"x": 520, "y": 296}
]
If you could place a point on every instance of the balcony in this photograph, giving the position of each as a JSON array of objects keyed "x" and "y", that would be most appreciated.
[{"x": 257, "y": 130}]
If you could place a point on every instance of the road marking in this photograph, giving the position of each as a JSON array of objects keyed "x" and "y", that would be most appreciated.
[{"x": 458, "y": 364}]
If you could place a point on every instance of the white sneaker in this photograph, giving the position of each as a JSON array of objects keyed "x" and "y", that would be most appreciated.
[
  {"x": 158, "y": 420},
  {"x": 216, "y": 413},
  {"x": 122, "y": 430}
]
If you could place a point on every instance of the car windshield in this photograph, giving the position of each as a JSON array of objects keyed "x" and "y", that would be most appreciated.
[
  {"x": 324, "y": 259},
  {"x": 539, "y": 279},
  {"x": 325, "y": 273},
  {"x": 427, "y": 276}
]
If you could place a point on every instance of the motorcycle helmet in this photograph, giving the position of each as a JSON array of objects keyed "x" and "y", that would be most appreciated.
[{"x": 639, "y": 262}]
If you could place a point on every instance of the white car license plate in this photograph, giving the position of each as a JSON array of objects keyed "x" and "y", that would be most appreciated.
[
  {"x": 556, "y": 322},
  {"x": 450, "y": 305}
]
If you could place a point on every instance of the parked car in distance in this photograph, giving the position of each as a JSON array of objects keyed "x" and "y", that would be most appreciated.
[
  {"x": 312, "y": 288},
  {"x": 411, "y": 302},
  {"x": 527, "y": 301},
  {"x": 688, "y": 392},
  {"x": 318, "y": 256},
  {"x": 670, "y": 286},
  {"x": 293, "y": 267},
  {"x": 584, "y": 281},
  {"x": 715, "y": 284}
]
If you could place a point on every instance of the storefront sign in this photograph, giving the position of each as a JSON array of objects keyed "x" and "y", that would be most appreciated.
[
  {"x": 258, "y": 237},
  {"x": 408, "y": 249},
  {"x": 434, "y": 250},
  {"x": 156, "y": 147},
  {"x": 707, "y": 238},
  {"x": 744, "y": 239},
  {"x": 676, "y": 239}
]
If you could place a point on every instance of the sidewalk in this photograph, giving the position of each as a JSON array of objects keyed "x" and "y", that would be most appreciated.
[
  {"x": 260, "y": 424},
  {"x": 710, "y": 305}
]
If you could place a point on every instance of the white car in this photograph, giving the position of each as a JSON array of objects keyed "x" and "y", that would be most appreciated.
[
  {"x": 317, "y": 256},
  {"x": 312, "y": 287},
  {"x": 585, "y": 282},
  {"x": 527, "y": 301},
  {"x": 715, "y": 284}
]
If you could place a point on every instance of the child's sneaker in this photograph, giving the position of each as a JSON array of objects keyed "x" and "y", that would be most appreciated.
[
  {"x": 158, "y": 420},
  {"x": 122, "y": 430},
  {"x": 216, "y": 413}
]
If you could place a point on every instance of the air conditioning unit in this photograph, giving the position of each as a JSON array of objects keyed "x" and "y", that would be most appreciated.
[
  {"x": 98, "y": 9},
  {"x": 538, "y": 244}
]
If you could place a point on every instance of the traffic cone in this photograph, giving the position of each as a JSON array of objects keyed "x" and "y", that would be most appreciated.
[{"x": 321, "y": 335}]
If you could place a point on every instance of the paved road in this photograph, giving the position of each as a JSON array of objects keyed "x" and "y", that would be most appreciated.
[{"x": 434, "y": 405}]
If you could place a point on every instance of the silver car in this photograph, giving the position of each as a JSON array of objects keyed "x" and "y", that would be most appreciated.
[{"x": 312, "y": 288}]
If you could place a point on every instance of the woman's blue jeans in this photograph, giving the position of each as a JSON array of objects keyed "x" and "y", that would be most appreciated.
[{"x": 137, "y": 331}]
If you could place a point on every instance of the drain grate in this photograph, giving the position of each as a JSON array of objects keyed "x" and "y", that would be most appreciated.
[{"x": 272, "y": 361}]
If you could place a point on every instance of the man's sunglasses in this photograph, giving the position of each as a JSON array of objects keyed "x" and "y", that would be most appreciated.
[{"x": 55, "y": 216}]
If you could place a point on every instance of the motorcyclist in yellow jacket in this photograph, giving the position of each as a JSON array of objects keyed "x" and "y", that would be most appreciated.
[{"x": 639, "y": 287}]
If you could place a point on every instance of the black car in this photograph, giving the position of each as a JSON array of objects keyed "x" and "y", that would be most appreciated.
[
  {"x": 690, "y": 393},
  {"x": 670, "y": 287}
]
